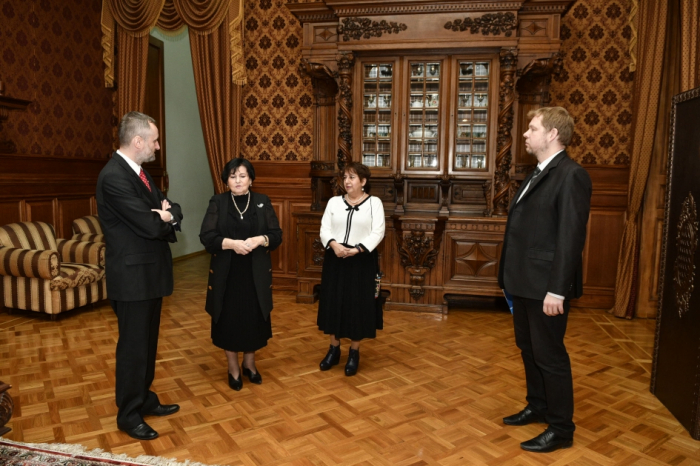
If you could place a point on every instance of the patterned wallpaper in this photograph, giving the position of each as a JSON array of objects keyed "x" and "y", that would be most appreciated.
[
  {"x": 50, "y": 53},
  {"x": 596, "y": 85},
  {"x": 277, "y": 102}
]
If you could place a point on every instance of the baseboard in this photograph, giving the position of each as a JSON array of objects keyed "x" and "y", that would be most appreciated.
[{"x": 190, "y": 255}]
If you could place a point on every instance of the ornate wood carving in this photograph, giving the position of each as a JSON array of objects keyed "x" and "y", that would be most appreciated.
[
  {"x": 506, "y": 98},
  {"x": 346, "y": 63},
  {"x": 490, "y": 23},
  {"x": 418, "y": 252},
  {"x": 323, "y": 81},
  {"x": 6, "y": 407},
  {"x": 686, "y": 245},
  {"x": 398, "y": 185},
  {"x": 358, "y": 28},
  {"x": 535, "y": 79},
  {"x": 487, "y": 195},
  {"x": 445, "y": 184},
  {"x": 318, "y": 251}
]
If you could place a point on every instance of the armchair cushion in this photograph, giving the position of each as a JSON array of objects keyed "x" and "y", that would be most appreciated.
[
  {"x": 85, "y": 252},
  {"x": 88, "y": 228},
  {"x": 29, "y": 263},
  {"x": 75, "y": 275}
]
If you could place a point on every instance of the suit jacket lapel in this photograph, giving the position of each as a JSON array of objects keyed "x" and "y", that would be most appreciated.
[
  {"x": 134, "y": 177},
  {"x": 550, "y": 166}
]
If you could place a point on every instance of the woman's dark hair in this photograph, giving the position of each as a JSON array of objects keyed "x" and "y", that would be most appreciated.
[
  {"x": 233, "y": 165},
  {"x": 361, "y": 171}
]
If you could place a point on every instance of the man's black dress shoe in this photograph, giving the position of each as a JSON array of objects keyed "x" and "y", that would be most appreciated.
[
  {"x": 141, "y": 432},
  {"x": 236, "y": 384},
  {"x": 523, "y": 418},
  {"x": 332, "y": 358},
  {"x": 163, "y": 410},
  {"x": 255, "y": 378},
  {"x": 353, "y": 362},
  {"x": 547, "y": 441}
]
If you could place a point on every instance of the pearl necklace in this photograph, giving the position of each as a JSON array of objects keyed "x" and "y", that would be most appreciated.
[
  {"x": 354, "y": 203},
  {"x": 236, "y": 205}
]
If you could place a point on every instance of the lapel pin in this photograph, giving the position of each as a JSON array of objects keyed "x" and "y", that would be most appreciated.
[{"x": 260, "y": 205}]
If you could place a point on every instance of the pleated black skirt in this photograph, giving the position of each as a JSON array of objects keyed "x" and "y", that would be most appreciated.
[
  {"x": 241, "y": 326},
  {"x": 346, "y": 305}
]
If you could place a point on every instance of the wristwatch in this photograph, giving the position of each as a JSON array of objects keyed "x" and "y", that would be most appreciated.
[{"x": 267, "y": 241}]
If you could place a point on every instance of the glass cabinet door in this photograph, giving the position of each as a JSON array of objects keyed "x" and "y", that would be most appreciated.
[
  {"x": 424, "y": 110},
  {"x": 377, "y": 104},
  {"x": 471, "y": 126}
]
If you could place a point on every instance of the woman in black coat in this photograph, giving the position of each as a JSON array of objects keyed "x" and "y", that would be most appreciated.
[{"x": 239, "y": 230}]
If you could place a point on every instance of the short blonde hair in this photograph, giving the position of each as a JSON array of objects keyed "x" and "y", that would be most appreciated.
[{"x": 555, "y": 117}]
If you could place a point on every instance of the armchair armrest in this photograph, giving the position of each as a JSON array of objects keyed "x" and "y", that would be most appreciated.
[
  {"x": 29, "y": 263},
  {"x": 82, "y": 252}
]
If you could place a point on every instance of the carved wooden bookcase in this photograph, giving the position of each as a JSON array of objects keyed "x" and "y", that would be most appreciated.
[{"x": 433, "y": 97}]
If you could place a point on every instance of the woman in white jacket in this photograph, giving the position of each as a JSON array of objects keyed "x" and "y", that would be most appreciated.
[{"x": 351, "y": 229}]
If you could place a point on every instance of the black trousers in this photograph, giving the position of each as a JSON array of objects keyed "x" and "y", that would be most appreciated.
[
  {"x": 540, "y": 338},
  {"x": 139, "y": 322}
]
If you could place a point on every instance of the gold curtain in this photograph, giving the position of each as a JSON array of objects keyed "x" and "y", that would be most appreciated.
[
  {"x": 218, "y": 98},
  {"x": 170, "y": 21},
  {"x": 690, "y": 44},
  {"x": 651, "y": 42},
  {"x": 135, "y": 19}
]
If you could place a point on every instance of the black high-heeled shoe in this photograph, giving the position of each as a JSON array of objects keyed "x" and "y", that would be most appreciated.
[
  {"x": 235, "y": 384},
  {"x": 332, "y": 358},
  {"x": 353, "y": 362},
  {"x": 255, "y": 378}
]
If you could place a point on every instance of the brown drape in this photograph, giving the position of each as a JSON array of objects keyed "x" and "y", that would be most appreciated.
[
  {"x": 135, "y": 19},
  {"x": 654, "y": 88},
  {"x": 218, "y": 98},
  {"x": 216, "y": 44},
  {"x": 170, "y": 21},
  {"x": 690, "y": 44},
  {"x": 651, "y": 42}
]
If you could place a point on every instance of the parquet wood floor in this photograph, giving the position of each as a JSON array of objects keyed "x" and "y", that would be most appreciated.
[{"x": 431, "y": 390}]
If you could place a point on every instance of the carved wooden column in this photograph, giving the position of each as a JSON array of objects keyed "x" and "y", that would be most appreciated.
[
  {"x": 325, "y": 88},
  {"x": 6, "y": 407},
  {"x": 346, "y": 63},
  {"x": 506, "y": 98}
]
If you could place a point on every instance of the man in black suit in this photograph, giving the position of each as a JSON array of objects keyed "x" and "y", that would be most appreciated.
[
  {"x": 138, "y": 223},
  {"x": 541, "y": 269}
]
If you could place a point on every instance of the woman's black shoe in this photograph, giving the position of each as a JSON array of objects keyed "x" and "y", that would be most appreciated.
[
  {"x": 353, "y": 362},
  {"x": 255, "y": 378},
  {"x": 331, "y": 359},
  {"x": 236, "y": 384}
]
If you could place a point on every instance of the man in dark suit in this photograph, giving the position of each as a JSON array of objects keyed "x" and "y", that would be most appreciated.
[
  {"x": 138, "y": 223},
  {"x": 541, "y": 269}
]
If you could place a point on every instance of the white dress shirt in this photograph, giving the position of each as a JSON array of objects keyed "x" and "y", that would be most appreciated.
[{"x": 361, "y": 225}]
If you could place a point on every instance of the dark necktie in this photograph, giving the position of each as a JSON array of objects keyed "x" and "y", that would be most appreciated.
[
  {"x": 142, "y": 175},
  {"x": 535, "y": 174}
]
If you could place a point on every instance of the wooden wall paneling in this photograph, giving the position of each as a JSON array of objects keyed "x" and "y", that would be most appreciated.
[
  {"x": 605, "y": 227},
  {"x": 69, "y": 210},
  {"x": 278, "y": 255},
  {"x": 41, "y": 210},
  {"x": 11, "y": 212}
]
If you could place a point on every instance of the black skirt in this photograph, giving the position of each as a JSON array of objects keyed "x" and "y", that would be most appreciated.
[
  {"x": 241, "y": 326},
  {"x": 347, "y": 307}
]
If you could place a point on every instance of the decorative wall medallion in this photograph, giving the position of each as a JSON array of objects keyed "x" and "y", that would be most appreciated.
[
  {"x": 325, "y": 34},
  {"x": 534, "y": 27},
  {"x": 686, "y": 245},
  {"x": 318, "y": 252},
  {"x": 359, "y": 28},
  {"x": 478, "y": 259},
  {"x": 490, "y": 23}
]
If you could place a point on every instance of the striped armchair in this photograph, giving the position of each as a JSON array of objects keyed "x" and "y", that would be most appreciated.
[
  {"x": 88, "y": 228},
  {"x": 44, "y": 274}
]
